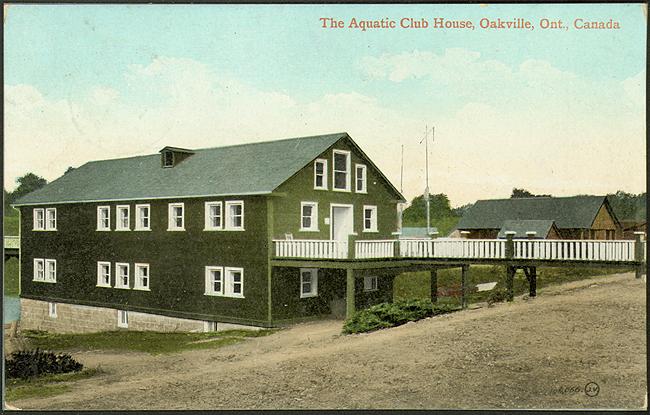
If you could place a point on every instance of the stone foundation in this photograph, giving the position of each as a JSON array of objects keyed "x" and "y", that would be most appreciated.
[{"x": 73, "y": 318}]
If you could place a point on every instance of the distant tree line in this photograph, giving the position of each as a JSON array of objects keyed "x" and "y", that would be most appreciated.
[{"x": 26, "y": 184}]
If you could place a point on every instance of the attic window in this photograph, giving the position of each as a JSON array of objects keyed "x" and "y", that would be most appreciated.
[{"x": 168, "y": 159}]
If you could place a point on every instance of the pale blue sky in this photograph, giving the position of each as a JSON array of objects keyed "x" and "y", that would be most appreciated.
[{"x": 65, "y": 53}]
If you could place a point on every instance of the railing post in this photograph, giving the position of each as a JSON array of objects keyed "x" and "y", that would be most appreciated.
[
  {"x": 396, "y": 248},
  {"x": 510, "y": 245},
  {"x": 530, "y": 235},
  {"x": 351, "y": 247},
  {"x": 638, "y": 254}
]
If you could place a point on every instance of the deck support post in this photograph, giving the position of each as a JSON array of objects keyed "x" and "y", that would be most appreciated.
[
  {"x": 434, "y": 285},
  {"x": 532, "y": 282},
  {"x": 639, "y": 247},
  {"x": 349, "y": 293},
  {"x": 464, "y": 274},
  {"x": 510, "y": 282}
]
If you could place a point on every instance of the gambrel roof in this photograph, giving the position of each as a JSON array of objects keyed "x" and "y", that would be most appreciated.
[
  {"x": 576, "y": 212},
  {"x": 244, "y": 169}
]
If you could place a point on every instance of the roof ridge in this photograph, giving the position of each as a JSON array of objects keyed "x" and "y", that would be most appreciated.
[
  {"x": 157, "y": 154},
  {"x": 537, "y": 198}
]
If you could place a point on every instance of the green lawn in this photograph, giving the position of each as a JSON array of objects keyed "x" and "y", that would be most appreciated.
[
  {"x": 11, "y": 225},
  {"x": 416, "y": 285},
  {"x": 10, "y": 277},
  {"x": 48, "y": 385},
  {"x": 140, "y": 341}
]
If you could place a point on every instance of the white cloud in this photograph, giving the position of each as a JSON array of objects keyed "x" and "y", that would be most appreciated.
[{"x": 483, "y": 149}]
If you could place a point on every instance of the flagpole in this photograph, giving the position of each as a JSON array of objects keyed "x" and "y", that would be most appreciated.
[{"x": 426, "y": 189}]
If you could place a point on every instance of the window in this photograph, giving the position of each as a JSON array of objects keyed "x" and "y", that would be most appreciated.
[
  {"x": 103, "y": 274},
  {"x": 309, "y": 216},
  {"x": 122, "y": 218},
  {"x": 370, "y": 218},
  {"x": 320, "y": 174},
  {"x": 360, "y": 178},
  {"x": 168, "y": 159},
  {"x": 122, "y": 319},
  {"x": 308, "y": 282},
  {"x": 213, "y": 281},
  {"x": 234, "y": 282},
  {"x": 39, "y": 270},
  {"x": 213, "y": 216},
  {"x": 103, "y": 218},
  {"x": 50, "y": 270},
  {"x": 235, "y": 215},
  {"x": 52, "y": 310},
  {"x": 50, "y": 219},
  {"x": 142, "y": 218},
  {"x": 341, "y": 170},
  {"x": 39, "y": 219},
  {"x": 121, "y": 275},
  {"x": 370, "y": 283},
  {"x": 176, "y": 217},
  {"x": 209, "y": 326},
  {"x": 141, "y": 277}
]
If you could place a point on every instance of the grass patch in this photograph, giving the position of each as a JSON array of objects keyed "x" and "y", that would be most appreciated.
[
  {"x": 416, "y": 285},
  {"x": 384, "y": 315},
  {"x": 11, "y": 225},
  {"x": 138, "y": 341},
  {"x": 45, "y": 386},
  {"x": 10, "y": 277}
]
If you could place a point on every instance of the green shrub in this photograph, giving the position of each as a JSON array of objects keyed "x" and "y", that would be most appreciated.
[
  {"x": 497, "y": 295},
  {"x": 386, "y": 315},
  {"x": 33, "y": 363}
]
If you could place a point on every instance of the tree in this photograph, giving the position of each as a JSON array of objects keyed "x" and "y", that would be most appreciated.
[
  {"x": 628, "y": 206},
  {"x": 519, "y": 193},
  {"x": 68, "y": 170},
  {"x": 460, "y": 210},
  {"x": 26, "y": 184}
]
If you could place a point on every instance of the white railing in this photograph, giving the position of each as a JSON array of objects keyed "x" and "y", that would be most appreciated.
[
  {"x": 311, "y": 249},
  {"x": 544, "y": 249},
  {"x": 374, "y": 249},
  {"x": 12, "y": 242},
  {"x": 575, "y": 250},
  {"x": 452, "y": 248}
]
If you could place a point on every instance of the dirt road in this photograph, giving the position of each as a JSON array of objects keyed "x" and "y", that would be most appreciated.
[{"x": 528, "y": 354}]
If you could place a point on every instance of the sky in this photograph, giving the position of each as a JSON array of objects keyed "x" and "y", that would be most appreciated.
[{"x": 558, "y": 112}]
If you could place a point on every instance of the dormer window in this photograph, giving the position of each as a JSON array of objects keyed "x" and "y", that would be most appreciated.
[
  {"x": 168, "y": 159},
  {"x": 172, "y": 156}
]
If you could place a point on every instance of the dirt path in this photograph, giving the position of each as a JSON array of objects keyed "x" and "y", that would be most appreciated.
[{"x": 528, "y": 354}]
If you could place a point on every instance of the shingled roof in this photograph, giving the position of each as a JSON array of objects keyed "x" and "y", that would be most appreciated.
[
  {"x": 245, "y": 169},
  {"x": 577, "y": 212},
  {"x": 520, "y": 227}
]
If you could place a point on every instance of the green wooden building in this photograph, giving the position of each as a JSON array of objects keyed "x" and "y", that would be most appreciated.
[{"x": 183, "y": 239}]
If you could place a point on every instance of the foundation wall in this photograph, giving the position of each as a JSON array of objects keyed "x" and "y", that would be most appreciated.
[{"x": 73, "y": 318}]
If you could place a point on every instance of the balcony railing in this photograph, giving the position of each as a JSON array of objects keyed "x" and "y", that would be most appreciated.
[{"x": 546, "y": 249}]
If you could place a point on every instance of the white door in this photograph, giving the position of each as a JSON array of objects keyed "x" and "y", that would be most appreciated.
[{"x": 341, "y": 223}]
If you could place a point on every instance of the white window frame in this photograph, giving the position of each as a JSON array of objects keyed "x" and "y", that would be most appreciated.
[
  {"x": 313, "y": 288},
  {"x": 138, "y": 277},
  {"x": 51, "y": 309},
  {"x": 228, "y": 225},
  {"x": 171, "y": 224},
  {"x": 209, "y": 326},
  {"x": 229, "y": 283},
  {"x": 100, "y": 224},
  {"x": 324, "y": 175},
  {"x": 370, "y": 283},
  {"x": 139, "y": 216},
  {"x": 118, "y": 278},
  {"x": 313, "y": 217},
  {"x": 373, "y": 218},
  {"x": 38, "y": 278},
  {"x": 208, "y": 217},
  {"x": 100, "y": 275},
  {"x": 364, "y": 188},
  {"x": 209, "y": 283},
  {"x": 48, "y": 212},
  {"x": 348, "y": 167},
  {"x": 123, "y": 319},
  {"x": 38, "y": 226},
  {"x": 118, "y": 220},
  {"x": 48, "y": 264}
]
